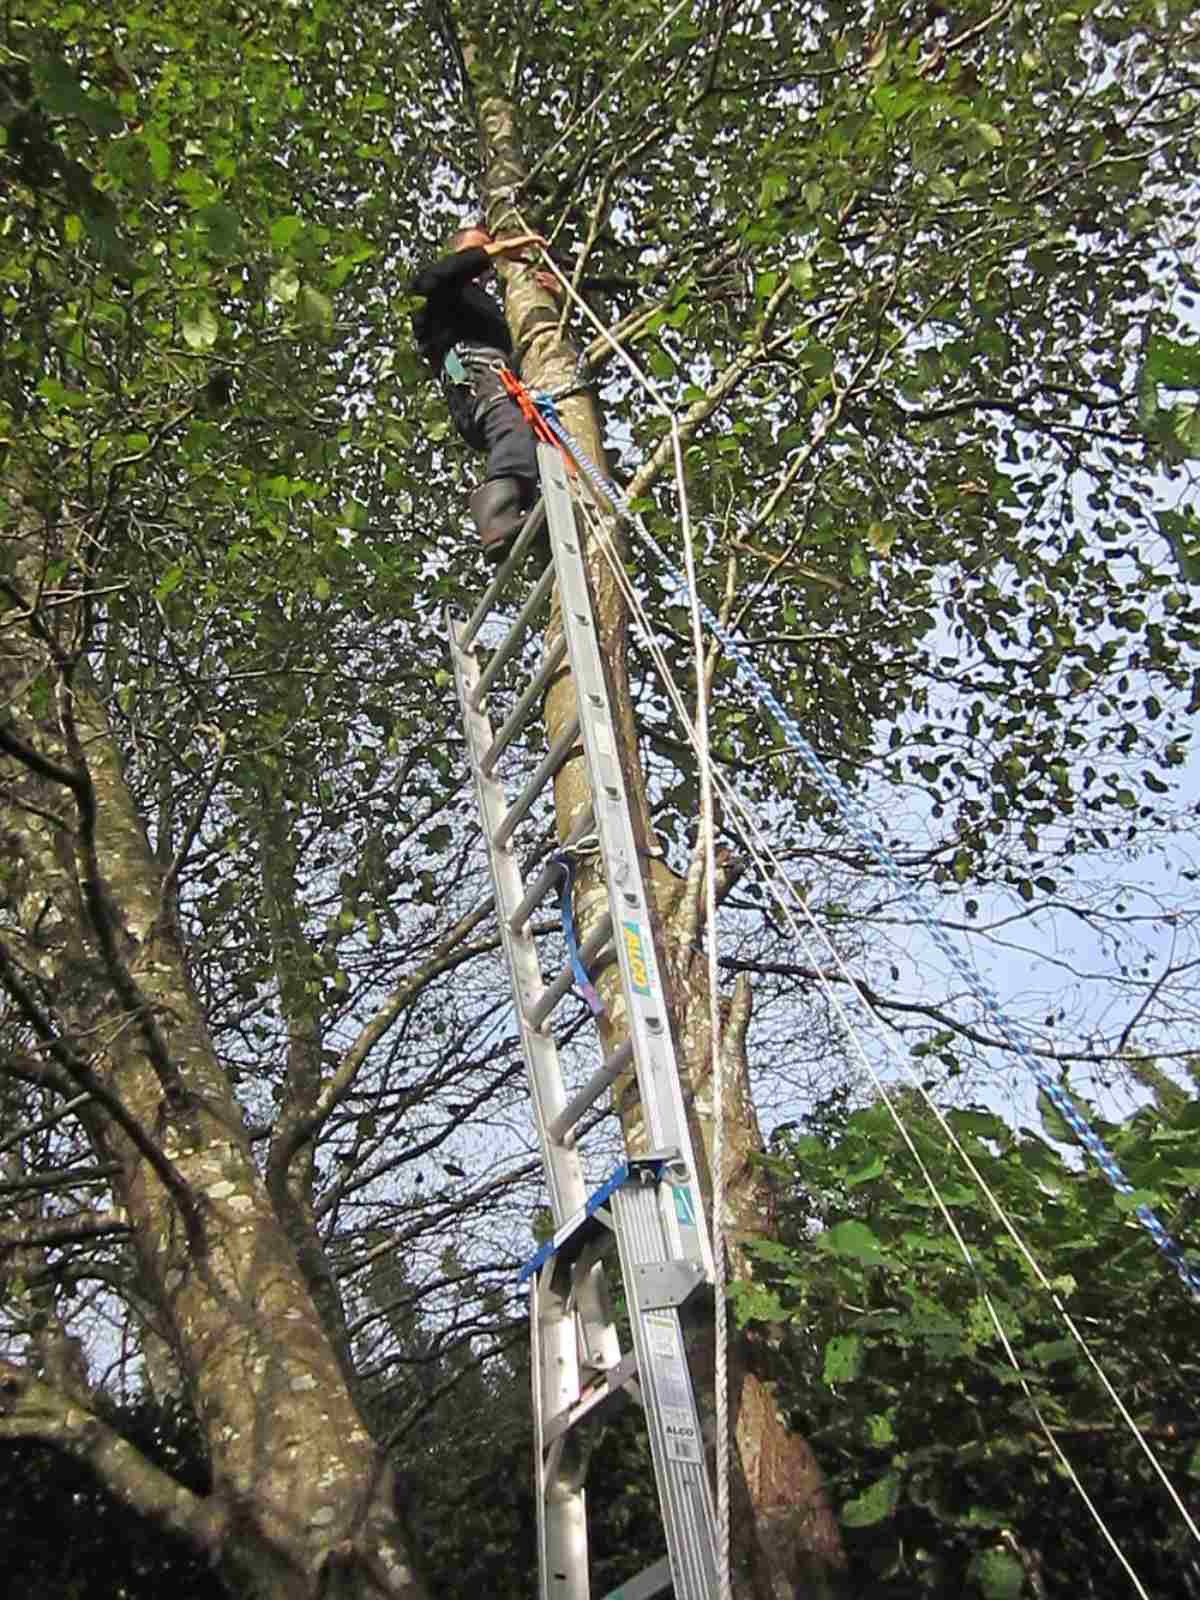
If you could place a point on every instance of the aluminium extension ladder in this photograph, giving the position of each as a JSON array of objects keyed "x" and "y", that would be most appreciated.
[{"x": 650, "y": 1204}]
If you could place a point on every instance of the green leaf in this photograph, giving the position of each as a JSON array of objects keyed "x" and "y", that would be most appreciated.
[
  {"x": 63, "y": 96},
  {"x": 859, "y": 564},
  {"x": 880, "y": 1430},
  {"x": 1169, "y": 362},
  {"x": 159, "y": 153},
  {"x": 169, "y": 582},
  {"x": 314, "y": 308},
  {"x": 1147, "y": 397},
  {"x": 1054, "y": 1123},
  {"x": 864, "y": 1174},
  {"x": 99, "y": 216},
  {"x": 853, "y": 1239},
  {"x": 1182, "y": 424},
  {"x": 875, "y": 1505},
  {"x": 284, "y": 230},
  {"x": 200, "y": 328},
  {"x": 881, "y": 536},
  {"x": 753, "y": 1303},
  {"x": 772, "y": 190},
  {"x": 998, "y": 1574},
  {"x": 983, "y": 1124},
  {"x": 1049, "y": 1351},
  {"x": 816, "y": 359},
  {"x": 224, "y": 227},
  {"x": 843, "y": 1358},
  {"x": 990, "y": 134},
  {"x": 284, "y": 285}
]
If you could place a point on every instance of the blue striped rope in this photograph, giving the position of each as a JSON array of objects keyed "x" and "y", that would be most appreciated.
[{"x": 862, "y": 826}]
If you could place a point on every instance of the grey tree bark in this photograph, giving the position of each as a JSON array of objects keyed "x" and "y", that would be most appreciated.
[
  {"x": 94, "y": 973},
  {"x": 786, "y": 1540}
]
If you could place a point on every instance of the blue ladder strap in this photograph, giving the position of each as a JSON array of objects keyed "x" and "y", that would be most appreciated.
[
  {"x": 862, "y": 826},
  {"x": 593, "y": 1203},
  {"x": 583, "y": 983}
]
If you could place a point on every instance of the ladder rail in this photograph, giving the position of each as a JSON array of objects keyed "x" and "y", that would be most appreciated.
[
  {"x": 654, "y": 1051},
  {"x": 564, "y": 1172},
  {"x": 651, "y": 1203}
]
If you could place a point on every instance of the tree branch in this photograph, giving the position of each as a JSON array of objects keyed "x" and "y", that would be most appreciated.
[
  {"x": 81, "y": 1074},
  {"x": 73, "y": 1229},
  {"x": 450, "y": 954},
  {"x": 31, "y": 1409}
]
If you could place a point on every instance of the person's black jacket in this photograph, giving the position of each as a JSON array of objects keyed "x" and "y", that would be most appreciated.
[{"x": 456, "y": 308}]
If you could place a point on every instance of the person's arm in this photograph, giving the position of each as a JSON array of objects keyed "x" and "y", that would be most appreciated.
[
  {"x": 452, "y": 271},
  {"x": 461, "y": 266},
  {"x": 511, "y": 247}
]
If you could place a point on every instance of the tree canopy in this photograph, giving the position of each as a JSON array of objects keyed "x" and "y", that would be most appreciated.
[{"x": 919, "y": 284}]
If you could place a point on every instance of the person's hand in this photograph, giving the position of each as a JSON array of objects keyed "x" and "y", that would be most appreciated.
[
  {"x": 547, "y": 281},
  {"x": 511, "y": 248}
]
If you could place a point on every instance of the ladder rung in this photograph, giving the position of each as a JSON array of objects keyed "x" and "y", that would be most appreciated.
[
  {"x": 559, "y": 751},
  {"x": 588, "y": 952},
  {"x": 550, "y": 874},
  {"x": 512, "y": 640},
  {"x": 505, "y": 737},
  {"x": 533, "y": 525},
  {"x": 599, "y": 1394},
  {"x": 600, "y": 1080},
  {"x": 650, "y": 1581}
]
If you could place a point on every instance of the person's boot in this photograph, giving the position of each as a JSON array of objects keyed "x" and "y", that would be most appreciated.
[{"x": 499, "y": 510}]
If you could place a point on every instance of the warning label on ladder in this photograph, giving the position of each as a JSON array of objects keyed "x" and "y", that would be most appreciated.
[{"x": 673, "y": 1388}]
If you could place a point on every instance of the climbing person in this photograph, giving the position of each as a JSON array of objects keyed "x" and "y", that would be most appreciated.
[{"x": 461, "y": 332}]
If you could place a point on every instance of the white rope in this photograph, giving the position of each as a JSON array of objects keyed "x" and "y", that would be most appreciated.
[
  {"x": 708, "y": 843},
  {"x": 721, "y": 1444},
  {"x": 740, "y": 811},
  {"x": 774, "y": 875}
]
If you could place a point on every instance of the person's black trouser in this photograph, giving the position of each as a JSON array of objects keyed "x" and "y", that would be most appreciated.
[{"x": 489, "y": 419}]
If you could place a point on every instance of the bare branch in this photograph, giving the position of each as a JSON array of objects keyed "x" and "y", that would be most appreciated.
[
  {"x": 31, "y": 1409},
  {"x": 82, "y": 1074},
  {"x": 451, "y": 953},
  {"x": 73, "y": 1229}
]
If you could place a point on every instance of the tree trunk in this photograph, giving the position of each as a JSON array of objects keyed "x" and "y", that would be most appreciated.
[
  {"x": 786, "y": 1540},
  {"x": 91, "y": 959}
]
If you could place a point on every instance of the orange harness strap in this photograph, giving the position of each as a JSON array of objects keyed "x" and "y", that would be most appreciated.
[{"x": 530, "y": 412}]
